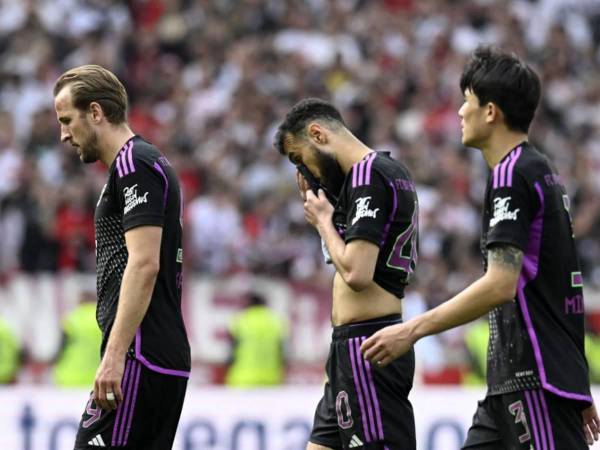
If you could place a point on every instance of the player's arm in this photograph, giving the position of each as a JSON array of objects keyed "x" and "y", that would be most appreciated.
[
  {"x": 143, "y": 263},
  {"x": 497, "y": 286},
  {"x": 355, "y": 261}
]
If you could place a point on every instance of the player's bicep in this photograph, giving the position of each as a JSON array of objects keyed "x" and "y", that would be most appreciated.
[
  {"x": 143, "y": 246},
  {"x": 505, "y": 262}
]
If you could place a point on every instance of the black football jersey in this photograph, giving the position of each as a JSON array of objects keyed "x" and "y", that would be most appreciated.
[
  {"x": 378, "y": 203},
  {"x": 142, "y": 189},
  {"x": 538, "y": 339}
]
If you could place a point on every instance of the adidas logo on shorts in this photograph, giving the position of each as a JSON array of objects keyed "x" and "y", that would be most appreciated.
[
  {"x": 97, "y": 442},
  {"x": 355, "y": 442}
]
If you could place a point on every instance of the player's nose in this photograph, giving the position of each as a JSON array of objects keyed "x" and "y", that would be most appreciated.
[{"x": 65, "y": 136}]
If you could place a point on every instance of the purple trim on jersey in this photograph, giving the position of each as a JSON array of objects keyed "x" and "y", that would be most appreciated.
[
  {"x": 125, "y": 383},
  {"x": 363, "y": 416},
  {"x": 123, "y": 158},
  {"x": 528, "y": 273},
  {"x": 132, "y": 409},
  {"x": 540, "y": 420},
  {"x": 386, "y": 229},
  {"x": 370, "y": 160},
  {"x": 354, "y": 174},
  {"x": 119, "y": 170},
  {"x": 162, "y": 172},
  {"x": 130, "y": 156},
  {"x": 547, "y": 418},
  {"x": 149, "y": 365},
  {"x": 361, "y": 173},
  {"x": 496, "y": 170},
  {"x": 503, "y": 172},
  {"x": 565, "y": 394},
  {"x": 514, "y": 156},
  {"x": 532, "y": 419},
  {"x": 503, "y": 166},
  {"x": 374, "y": 397}
]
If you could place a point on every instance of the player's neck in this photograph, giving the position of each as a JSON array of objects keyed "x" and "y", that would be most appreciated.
[
  {"x": 500, "y": 145},
  {"x": 353, "y": 151},
  {"x": 112, "y": 141}
]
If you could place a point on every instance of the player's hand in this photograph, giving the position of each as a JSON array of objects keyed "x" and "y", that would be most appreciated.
[
  {"x": 591, "y": 424},
  {"x": 108, "y": 380},
  {"x": 302, "y": 185},
  {"x": 387, "y": 344},
  {"x": 317, "y": 209}
]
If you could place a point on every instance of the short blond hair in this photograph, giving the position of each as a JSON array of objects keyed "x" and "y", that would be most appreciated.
[{"x": 93, "y": 83}]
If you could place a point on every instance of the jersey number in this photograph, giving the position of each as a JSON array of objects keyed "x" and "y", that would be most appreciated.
[
  {"x": 517, "y": 410},
  {"x": 404, "y": 253}
]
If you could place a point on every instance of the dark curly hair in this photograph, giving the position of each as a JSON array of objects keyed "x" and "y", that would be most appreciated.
[{"x": 303, "y": 112}]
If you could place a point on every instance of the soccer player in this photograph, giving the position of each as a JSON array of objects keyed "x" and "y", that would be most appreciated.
[
  {"x": 141, "y": 381},
  {"x": 370, "y": 235},
  {"x": 538, "y": 388}
]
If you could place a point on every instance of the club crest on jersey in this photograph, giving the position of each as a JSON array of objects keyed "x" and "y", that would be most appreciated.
[
  {"x": 502, "y": 212},
  {"x": 132, "y": 199},
  {"x": 362, "y": 209}
]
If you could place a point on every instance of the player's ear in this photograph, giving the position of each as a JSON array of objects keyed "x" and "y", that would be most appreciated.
[
  {"x": 95, "y": 111},
  {"x": 317, "y": 133},
  {"x": 492, "y": 113}
]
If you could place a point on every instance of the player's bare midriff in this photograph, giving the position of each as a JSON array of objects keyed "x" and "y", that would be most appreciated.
[{"x": 351, "y": 306}]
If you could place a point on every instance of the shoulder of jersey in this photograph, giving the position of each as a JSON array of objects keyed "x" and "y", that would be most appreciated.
[{"x": 133, "y": 154}]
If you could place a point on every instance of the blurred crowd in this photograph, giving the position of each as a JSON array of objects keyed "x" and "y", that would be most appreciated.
[{"x": 210, "y": 80}]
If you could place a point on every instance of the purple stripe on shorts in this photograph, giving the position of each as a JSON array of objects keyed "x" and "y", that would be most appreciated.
[
  {"x": 503, "y": 166},
  {"x": 538, "y": 414},
  {"x": 369, "y": 164},
  {"x": 496, "y": 170},
  {"x": 511, "y": 167},
  {"x": 363, "y": 379},
  {"x": 126, "y": 403},
  {"x": 162, "y": 172},
  {"x": 119, "y": 412},
  {"x": 532, "y": 419},
  {"x": 132, "y": 410},
  {"x": 375, "y": 399},
  {"x": 130, "y": 156},
  {"x": 363, "y": 416},
  {"x": 354, "y": 174},
  {"x": 547, "y": 419}
]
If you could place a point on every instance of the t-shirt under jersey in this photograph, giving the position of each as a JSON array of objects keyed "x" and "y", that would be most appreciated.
[
  {"x": 142, "y": 189},
  {"x": 536, "y": 340},
  {"x": 378, "y": 203}
]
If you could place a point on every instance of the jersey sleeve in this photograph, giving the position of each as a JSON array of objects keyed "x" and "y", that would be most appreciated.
[
  {"x": 142, "y": 194},
  {"x": 369, "y": 206},
  {"x": 512, "y": 208}
]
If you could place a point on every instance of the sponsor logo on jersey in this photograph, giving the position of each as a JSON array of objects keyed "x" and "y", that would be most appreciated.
[
  {"x": 132, "y": 199},
  {"x": 97, "y": 441},
  {"x": 362, "y": 209},
  {"x": 355, "y": 442},
  {"x": 502, "y": 211}
]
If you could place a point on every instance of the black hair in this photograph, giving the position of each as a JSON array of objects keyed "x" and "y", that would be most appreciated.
[
  {"x": 303, "y": 112},
  {"x": 501, "y": 78}
]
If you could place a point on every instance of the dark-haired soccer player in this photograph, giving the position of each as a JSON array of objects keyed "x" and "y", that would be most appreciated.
[
  {"x": 371, "y": 237},
  {"x": 141, "y": 382},
  {"x": 538, "y": 386}
]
